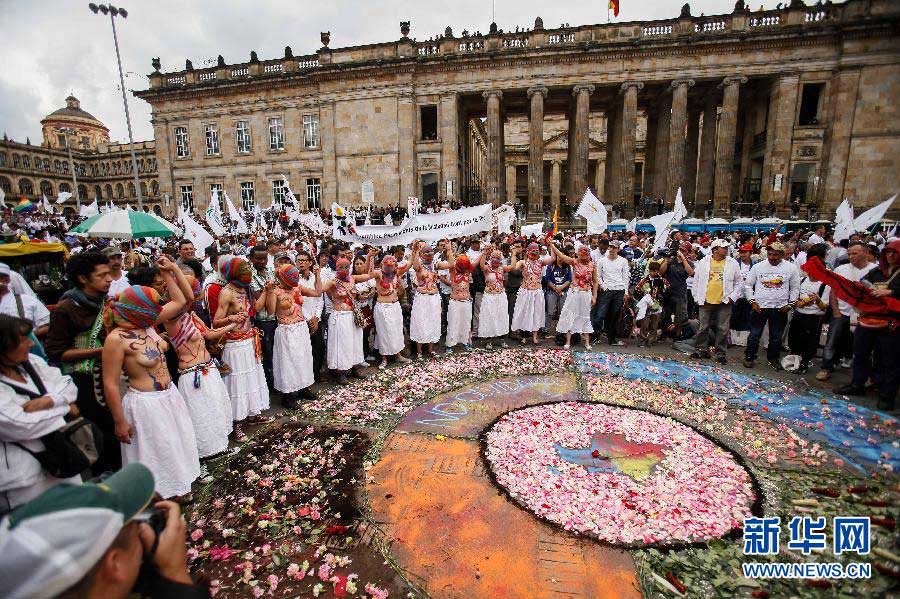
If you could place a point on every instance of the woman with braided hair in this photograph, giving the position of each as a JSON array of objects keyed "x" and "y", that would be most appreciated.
[
  {"x": 530, "y": 313},
  {"x": 388, "y": 314},
  {"x": 152, "y": 421},
  {"x": 576, "y": 312},
  {"x": 292, "y": 362}
]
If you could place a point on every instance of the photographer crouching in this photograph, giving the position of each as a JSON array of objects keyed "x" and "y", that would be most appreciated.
[{"x": 97, "y": 541}]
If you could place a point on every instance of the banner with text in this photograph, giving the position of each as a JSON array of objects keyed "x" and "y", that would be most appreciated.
[{"x": 430, "y": 227}]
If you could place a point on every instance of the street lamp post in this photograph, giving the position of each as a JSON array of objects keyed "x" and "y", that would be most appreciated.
[
  {"x": 71, "y": 133},
  {"x": 113, "y": 12}
]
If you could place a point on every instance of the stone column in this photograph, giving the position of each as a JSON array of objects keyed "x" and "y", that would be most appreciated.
[
  {"x": 661, "y": 154},
  {"x": 649, "y": 152},
  {"x": 690, "y": 155},
  {"x": 536, "y": 150},
  {"x": 726, "y": 141},
  {"x": 554, "y": 186},
  {"x": 406, "y": 125},
  {"x": 496, "y": 174},
  {"x": 328, "y": 141},
  {"x": 510, "y": 194},
  {"x": 675, "y": 177},
  {"x": 449, "y": 113},
  {"x": 782, "y": 111},
  {"x": 836, "y": 146},
  {"x": 613, "y": 150},
  {"x": 579, "y": 134},
  {"x": 599, "y": 176},
  {"x": 629, "y": 128},
  {"x": 706, "y": 170}
]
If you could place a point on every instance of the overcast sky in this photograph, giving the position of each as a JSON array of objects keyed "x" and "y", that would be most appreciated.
[{"x": 52, "y": 48}]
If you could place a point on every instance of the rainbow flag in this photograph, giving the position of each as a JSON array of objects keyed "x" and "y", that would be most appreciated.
[{"x": 24, "y": 205}]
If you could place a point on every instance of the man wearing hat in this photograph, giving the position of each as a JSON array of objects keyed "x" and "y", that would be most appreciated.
[
  {"x": 717, "y": 286},
  {"x": 93, "y": 540},
  {"x": 119, "y": 277},
  {"x": 772, "y": 286},
  {"x": 22, "y": 305}
]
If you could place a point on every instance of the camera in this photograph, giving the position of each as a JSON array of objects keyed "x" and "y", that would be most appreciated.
[{"x": 155, "y": 518}]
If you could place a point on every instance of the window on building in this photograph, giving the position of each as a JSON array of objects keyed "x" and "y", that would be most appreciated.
[
  {"x": 85, "y": 142},
  {"x": 428, "y": 121},
  {"x": 279, "y": 192},
  {"x": 46, "y": 188},
  {"x": 217, "y": 188},
  {"x": 182, "y": 148},
  {"x": 120, "y": 191},
  {"x": 811, "y": 104},
  {"x": 212, "y": 140},
  {"x": 313, "y": 193},
  {"x": 310, "y": 131},
  {"x": 62, "y": 140},
  {"x": 5, "y": 185},
  {"x": 57, "y": 166},
  {"x": 16, "y": 161},
  {"x": 141, "y": 165},
  {"x": 117, "y": 168},
  {"x": 46, "y": 164},
  {"x": 26, "y": 162},
  {"x": 105, "y": 169},
  {"x": 153, "y": 165},
  {"x": 65, "y": 167},
  {"x": 65, "y": 187},
  {"x": 98, "y": 193},
  {"x": 2, "y": 158},
  {"x": 429, "y": 187},
  {"x": 131, "y": 191},
  {"x": 154, "y": 188},
  {"x": 143, "y": 189},
  {"x": 82, "y": 192},
  {"x": 248, "y": 198},
  {"x": 107, "y": 191},
  {"x": 187, "y": 198},
  {"x": 26, "y": 187},
  {"x": 242, "y": 137},
  {"x": 276, "y": 133}
]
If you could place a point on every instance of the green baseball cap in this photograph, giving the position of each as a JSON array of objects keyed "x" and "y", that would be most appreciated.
[{"x": 51, "y": 542}]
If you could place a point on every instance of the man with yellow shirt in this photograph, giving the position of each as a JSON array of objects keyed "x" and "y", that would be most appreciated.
[{"x": 717, "y": 285}]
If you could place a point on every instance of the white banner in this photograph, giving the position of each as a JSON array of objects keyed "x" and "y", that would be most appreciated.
[
  {"x": 872, "y": 215},
  {"x": 214, "y": 214},
  {"x": 536, "y": 229},
  {"x": 193, "y": 231},
  {"x": 594, "y": 212},
  {"x": 502, "y": 219},
  {"x": 843, "y": 221},
  {"x": 680, "y": 209},
  {"x": 63, "y": 196},
  {"x": 429, "y": 227},
  {"x": 662, "y": 223}
]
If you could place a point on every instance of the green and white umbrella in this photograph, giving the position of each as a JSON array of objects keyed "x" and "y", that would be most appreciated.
[{"x": 125, "y": 224}]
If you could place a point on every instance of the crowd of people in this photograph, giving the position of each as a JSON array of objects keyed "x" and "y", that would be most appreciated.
[{"x": 170, "y": 354}]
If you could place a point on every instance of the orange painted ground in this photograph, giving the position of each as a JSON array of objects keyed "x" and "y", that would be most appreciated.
[{"x": 457, "y": 536}]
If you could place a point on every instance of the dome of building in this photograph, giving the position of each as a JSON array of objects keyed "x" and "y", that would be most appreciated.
[
  {"x": 73, "y": 109},
  {"x": 59, "y": 125}
]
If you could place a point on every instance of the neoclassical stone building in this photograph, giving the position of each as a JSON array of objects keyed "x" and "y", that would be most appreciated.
[
  {"x": 735, "y": 109},
  {"x": 103, "y": 169}
]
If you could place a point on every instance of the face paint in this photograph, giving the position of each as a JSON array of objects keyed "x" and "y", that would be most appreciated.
[
  {"x": 343, "y": 269},
  {"x": 534, "y": 251},
  {"x": 583, "y": 254},
  {"x": 389, "y": 265},
  {"x": 288, "y": 275}
]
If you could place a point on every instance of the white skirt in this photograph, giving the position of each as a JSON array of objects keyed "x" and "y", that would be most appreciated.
[
  {"x": 425, "y": 323},
  {"x": 389, "y": 338},
  {"x": 575, "y": 316},
  {"x": 246, "y": 384},
  {"x": 210, "y": 409},
  {"x": 345, "y": 342},
  {"x": 529, "y": 313},
  {"x": 494, "y": 317},
  {"x": 292, "y": 362},
  {"x": 163, "y": 439},
  {"x": 459, "y": 322}
]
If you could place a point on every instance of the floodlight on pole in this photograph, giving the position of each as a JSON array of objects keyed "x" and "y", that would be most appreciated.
[{"x": 113, "y": 12}]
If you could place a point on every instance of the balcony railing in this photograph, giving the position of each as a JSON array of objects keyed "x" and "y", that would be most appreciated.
[
  {"x": 308, "y": 63},
  {"x": 429, "y": 50},
  {"x": 207, "y": 76},
  {"x": 273, "y": 68},
  {"x": 768, "y": 20},
  {"x": 655, "y": 30},
  {"x": 240, "y": 72},
  {"x": 176, "y": 80}
]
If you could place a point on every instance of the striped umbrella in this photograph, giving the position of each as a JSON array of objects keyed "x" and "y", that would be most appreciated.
[{"x": 125, "y": 224}]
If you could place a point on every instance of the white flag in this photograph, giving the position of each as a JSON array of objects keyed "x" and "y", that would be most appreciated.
[
  {"x": 63, "y": 196},
  {"x": 91, "y": 209},
  {"x": 193, "y": 231},
  {"x": 2, "y": 198},
  {"x": 536, "y": 229},
  {"x": 592, "y": 210},
  {"x": 632, "y": 225},
  {"x": 388, "y": 219},
  {"x": 412, "y": 206},
  {"x": 214, "y": 214},
  {"x": 278, "y": 231},
  {"x": 235, "y": 216},
  {"x": 46, "y": 205},
  {"x": 680, "y": 209},
  {"x": 341, "y": 222},
  {"x": 662, "y": 223},
  {"x": 843, "y": 221},
  {"x": 873, "y": 215}
]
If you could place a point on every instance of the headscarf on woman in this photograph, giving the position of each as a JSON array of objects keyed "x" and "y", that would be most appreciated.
[
  {"x": 236, "y": 271},
  {"x": 136, "y": 307}
]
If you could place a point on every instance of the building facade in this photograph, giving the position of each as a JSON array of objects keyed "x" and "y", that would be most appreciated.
[
  {"x": 738, "y": 109},
  {"x": 74, "y": 140}
]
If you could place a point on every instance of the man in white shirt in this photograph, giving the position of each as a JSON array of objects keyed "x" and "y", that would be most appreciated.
[
  {"x": 22, "y": 305},
  {"x": 614, "y": 275},
  {"x": 818, "y": 236},
  {"x": 772, "y": 287},
  {"x": 717, "y": 286},
  {"x": 839, "y": 326},
  {"x": 119, "y": 277}
]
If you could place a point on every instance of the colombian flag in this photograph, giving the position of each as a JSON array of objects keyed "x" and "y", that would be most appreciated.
[
  {"x": 555, "y": 227},
  {"x": 24, "y": 205},
  {"x": 614, "y": 6}
]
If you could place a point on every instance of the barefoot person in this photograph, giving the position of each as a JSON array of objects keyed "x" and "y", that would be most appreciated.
[
  {"x": 292, "y": 362},
  {"x": 529, "y": 313},
  {"x": 246, "y": 383},
  {"x": 345, "y": 342},
  {"x": 388, "y": 313},
  {"x": 199, "y": 380},
  {"x": 425, "y": 320},
  {"x": 152, "y": 421},
  {"x": 459, "y": 309},
  {"x": 493, "y": 321},
  {"x": 576, "y": 312}
]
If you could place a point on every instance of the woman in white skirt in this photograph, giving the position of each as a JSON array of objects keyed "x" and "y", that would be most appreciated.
[
  {"x": 292, "y": 362},
  {"x": 199, "y": 381},
  {"x": 387, "y": 312},
  {"x": 529, "y": 313},
  {"x": 425, "y": 321},
  {"x": 459, "y": 309},
  {"x": 494, "y": 318},
  {"x": 576, "y": 312},
  {"x": 345, "y": 341},
  {"x": 152, "y": 421}
]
